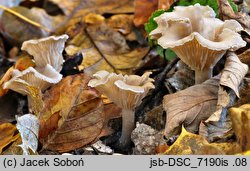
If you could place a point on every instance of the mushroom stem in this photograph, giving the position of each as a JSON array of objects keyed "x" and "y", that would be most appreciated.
[
  {"x": 128, "y": 124},
  {"x": 201, "y": 76}
]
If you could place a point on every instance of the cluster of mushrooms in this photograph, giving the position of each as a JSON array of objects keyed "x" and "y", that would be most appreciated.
[
  {"x": 193, "y": 33},
  {"x": 198, "y": 38},
  {"x": 48, "y": 59}
]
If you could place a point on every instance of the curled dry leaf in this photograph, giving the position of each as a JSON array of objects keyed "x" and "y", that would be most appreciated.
[
  {"x": 71, "y": 120},
  {"x": 241, "y": 125},
  {"x": 28, "y": 126},
  {"x": 8, "y": 134},
  {"x": 189, "y": 143},
  {"x": 190, "y": 106},
  {"x": 233, "y": 73},
  {"x": 231, "y": 77},
  {"x": 105, "y": 49}
]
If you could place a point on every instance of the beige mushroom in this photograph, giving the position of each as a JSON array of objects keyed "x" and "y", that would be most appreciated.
[
  {"x": 32, "y": 82},
  {"x": 47, "y": 51},
  {"x": 125, "y": 91},
  {"x": 40, "y": 79},
  {"x": 197, "y": 37}
]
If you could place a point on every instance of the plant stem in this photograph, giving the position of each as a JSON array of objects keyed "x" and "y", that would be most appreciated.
[
  {"x": 201, "y": 76},
  {"x": 128, "y": 124}
]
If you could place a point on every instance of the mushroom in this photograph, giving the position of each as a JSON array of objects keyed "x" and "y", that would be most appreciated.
[
  {"x": 197, "y": 37},
  {"x": 126, "y": 92},
  {"x": 47, "y": 51},
  {"x": 32, "y": 82}
]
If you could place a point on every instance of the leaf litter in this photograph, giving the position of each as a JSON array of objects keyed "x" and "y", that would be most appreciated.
[{"x": 210, "y": 117}]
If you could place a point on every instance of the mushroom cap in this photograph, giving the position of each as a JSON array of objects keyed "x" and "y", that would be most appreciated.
[
  {"x": 22, "y": 80},
  {"x": 196, "y": 36},
  {"x": 125, "y": 91},
  {"x": 47, "y": 51}
]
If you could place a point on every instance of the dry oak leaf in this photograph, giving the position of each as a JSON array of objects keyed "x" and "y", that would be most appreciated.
[
  {"x": 103, "y": 48},
  {"x": 8, "y": 134},
  {"x": 241, "y": 125},
  {"x": 190, "y": 107},
  {"x": 189, "y": 143},
  {"x": 72, "y": 115}
]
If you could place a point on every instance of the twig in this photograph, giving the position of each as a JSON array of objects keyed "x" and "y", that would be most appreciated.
[{"x": 25, "y": 18}]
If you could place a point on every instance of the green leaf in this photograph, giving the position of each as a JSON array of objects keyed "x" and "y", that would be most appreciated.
[
  {"x": 167, "y": 54},
  {"x": 151, "y": 24}
]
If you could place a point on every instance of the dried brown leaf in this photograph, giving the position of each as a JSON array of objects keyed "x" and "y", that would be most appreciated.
[
  {"x": 218, "y": 125},
  {"x": 189, "y": 143},
  {"x": 79, "y": 8},
  {"x": 8, "y": 134},
  {"x": 71, "y": 120},
  {"x": 145, "y": 8},
  {"x": 103, "y": 48},
  {"x": 241, "y": 125},
  {"x": 97, "y": 6},
  {"x": 245, "y": 57},
  {"x": 7, "y": 76},
  {"x": 190, "y": 106},
  {"x": 122, "y": 23},
  {"x": 165, "y": 4},
  {"x": 17, "y": 30},
  {"x": 233, "y": 73}
]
